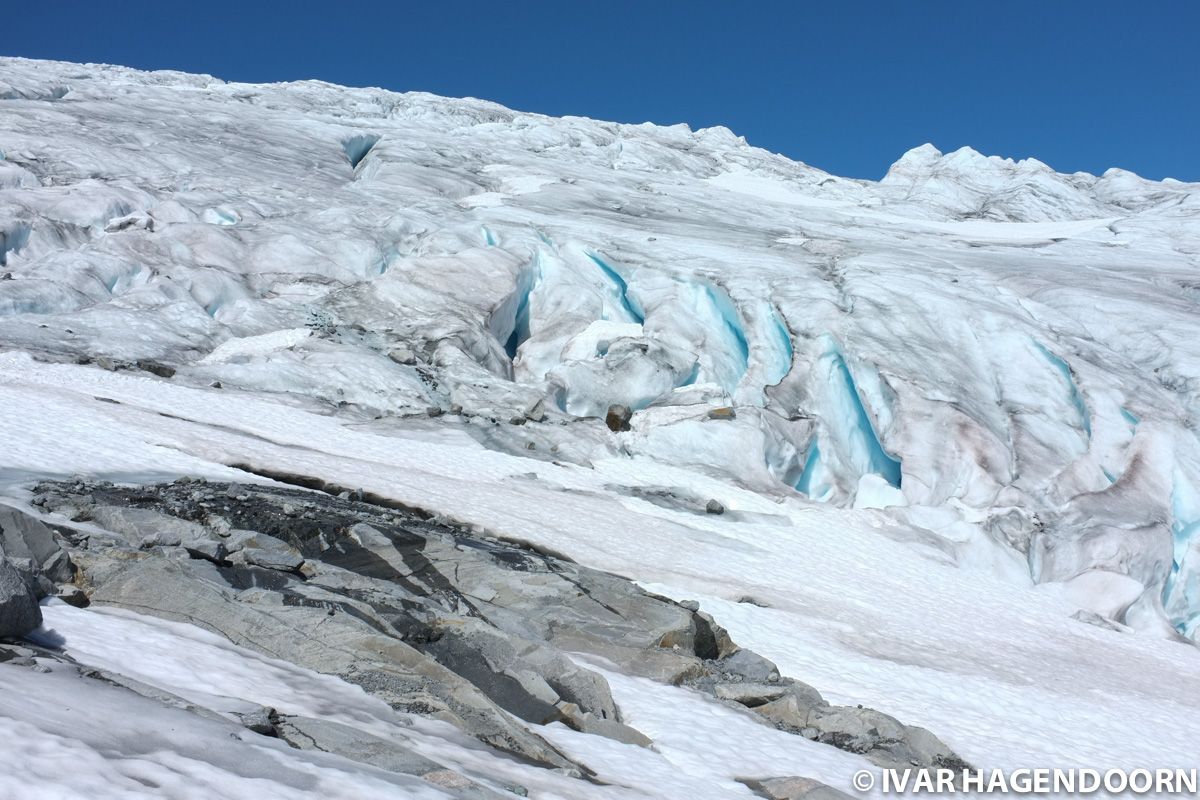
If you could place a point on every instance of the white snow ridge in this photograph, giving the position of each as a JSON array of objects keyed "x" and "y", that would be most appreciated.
[{"x": 927, "y": 444}]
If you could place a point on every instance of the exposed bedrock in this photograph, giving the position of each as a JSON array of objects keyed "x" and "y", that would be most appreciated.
[{"x": 431, "y": 618}]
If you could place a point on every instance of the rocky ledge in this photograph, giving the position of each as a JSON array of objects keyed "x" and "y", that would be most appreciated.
[{"x": 432, "y": 618}]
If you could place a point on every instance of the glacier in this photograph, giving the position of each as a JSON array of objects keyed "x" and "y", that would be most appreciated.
[{"x": 949, "y": 415}]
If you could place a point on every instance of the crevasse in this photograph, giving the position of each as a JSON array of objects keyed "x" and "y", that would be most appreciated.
[
  {"x": 1076, "y": 397},
  {"x": 847, "y": 421},
  {"x": 1181, "y": 590},
  {"x": 621, "y": 289}
]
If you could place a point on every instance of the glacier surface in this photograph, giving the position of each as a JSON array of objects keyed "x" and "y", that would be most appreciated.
[{"x": 949, "y": 414}]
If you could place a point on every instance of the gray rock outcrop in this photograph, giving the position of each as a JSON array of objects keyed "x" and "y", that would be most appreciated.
[{"x": 432, "y": 618}]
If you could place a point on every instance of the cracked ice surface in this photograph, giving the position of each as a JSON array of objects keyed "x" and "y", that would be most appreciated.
[{"x": 976, "y": 371}]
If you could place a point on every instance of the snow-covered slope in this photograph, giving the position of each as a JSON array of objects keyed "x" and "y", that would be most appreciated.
[{"x": 946, "y": 412}]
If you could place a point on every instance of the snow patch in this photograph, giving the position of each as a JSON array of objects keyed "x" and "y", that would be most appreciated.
[
  {"x": 250, "y": 346},
  {"x": 222, "y": 215}
]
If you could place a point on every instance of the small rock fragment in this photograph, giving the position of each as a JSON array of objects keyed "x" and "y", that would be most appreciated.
[
  {"x": 750, "y": 694},
  {"x": 261, "y": 721},
  {"x": 74, "y": 596},
  {"x": 403, "y": 355},
  {"x": 155, "y": 368}
]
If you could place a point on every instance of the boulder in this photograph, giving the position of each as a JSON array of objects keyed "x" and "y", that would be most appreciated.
[
  {"x": 156, "y": 368},
  {"x": 261, "y": 720},
  {"x": 789, "y": 712},
  {"x": 74, "y": 596},
  {"x": 19, "y": 610},
  {"x": 748, "y": 665},
  {"x": 880, "y": 738},
  {"x": 403, "y": 355},
  {"x": 859, "y": 730},
  {"x": 537, "y": 412},
  {"x": 25, "y": 537},
  {"x": 921, "y": 746},
  {"x": 617, "y": 418},
  {"x": 260, "y": 549}
]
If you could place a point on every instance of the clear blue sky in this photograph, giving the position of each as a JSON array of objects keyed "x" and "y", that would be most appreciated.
[{"x": 844, "y": 85}]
